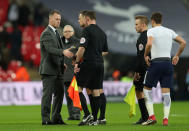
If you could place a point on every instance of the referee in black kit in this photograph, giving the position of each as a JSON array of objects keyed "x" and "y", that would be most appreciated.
[
  {"x": 141, "y": 26},
  {"x": 90, "y": 72}
]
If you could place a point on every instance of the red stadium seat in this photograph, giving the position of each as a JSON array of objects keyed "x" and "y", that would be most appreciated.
[
  {"x": 3, "y": 75},
  {"x": 4, "y": 4},
  {"x": 30, "y": 44},
  {"x": 27, "y": 42},
  {"x": 14, "y": 65}
]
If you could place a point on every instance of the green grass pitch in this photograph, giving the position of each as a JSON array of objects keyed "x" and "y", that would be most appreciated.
[{"x": 28, "y": 118}]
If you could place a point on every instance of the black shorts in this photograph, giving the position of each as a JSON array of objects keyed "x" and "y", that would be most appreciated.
[
  {"x": 139, "y": 84},
  {"x": 90, "y": 75}
]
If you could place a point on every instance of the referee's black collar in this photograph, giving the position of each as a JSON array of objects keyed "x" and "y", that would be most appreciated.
[{"x": 144, "y": 31}]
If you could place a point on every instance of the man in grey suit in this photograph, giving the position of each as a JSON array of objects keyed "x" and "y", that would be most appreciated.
[{"x": 51, "y": 70}]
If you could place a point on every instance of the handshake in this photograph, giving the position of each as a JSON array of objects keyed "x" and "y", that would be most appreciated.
[
  {"x": 67, "y": 53},
  {"x": 70, "y": 52}
]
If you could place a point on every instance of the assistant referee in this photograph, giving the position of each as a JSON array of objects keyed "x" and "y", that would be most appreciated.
[{"x": 141, "y": 26}]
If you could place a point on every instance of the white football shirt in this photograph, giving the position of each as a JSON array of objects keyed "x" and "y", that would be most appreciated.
[{"x": 162, "y": 43}]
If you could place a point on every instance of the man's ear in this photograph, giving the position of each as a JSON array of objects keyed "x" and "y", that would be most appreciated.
[
  {"x": 143, "y": 25},
  {"x": 87, "y": 18},
  {"x": 152, "y": 21}
]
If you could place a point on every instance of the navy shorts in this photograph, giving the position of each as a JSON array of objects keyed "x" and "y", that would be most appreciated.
[
  {"x": 159, "y": 71},
  {"x": 90, "y": 75}
]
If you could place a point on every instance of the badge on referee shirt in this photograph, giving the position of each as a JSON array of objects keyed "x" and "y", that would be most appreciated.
[
  {"x": 82, "y": 40},
  {"x": 140, "y": 47}
]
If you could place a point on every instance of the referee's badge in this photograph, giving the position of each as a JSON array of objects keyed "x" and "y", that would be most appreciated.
[
  {"x": 140, "y": 47},
  {"x": 82, "y": 40}
]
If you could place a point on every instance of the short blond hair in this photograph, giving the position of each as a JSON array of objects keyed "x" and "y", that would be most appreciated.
[{"x": 142, "y": 18}]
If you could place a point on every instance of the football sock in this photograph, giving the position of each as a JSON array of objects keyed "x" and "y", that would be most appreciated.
[
  {"x": 167, "y": 104},
  {"x": 149, "y": 101},
  {"x": 84, "y": 104},
  {"x": 143, "y": 109},
  {"x": 96, "y": 100},
  {"x": 102, "y": 106},
  {"x": 91, "y": 102}
]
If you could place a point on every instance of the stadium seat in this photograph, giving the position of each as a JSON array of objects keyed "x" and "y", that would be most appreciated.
[
  {"x": 4, "y": 4},
  {"x": 30, "y": 44}
]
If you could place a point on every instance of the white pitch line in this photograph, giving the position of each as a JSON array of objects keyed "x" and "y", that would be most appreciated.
[{"x": 179, "y": 115}]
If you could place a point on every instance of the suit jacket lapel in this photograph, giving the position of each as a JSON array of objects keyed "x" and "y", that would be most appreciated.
[
  {"x": 54, "y": 36},
  {"x": 62, "y": 45}
]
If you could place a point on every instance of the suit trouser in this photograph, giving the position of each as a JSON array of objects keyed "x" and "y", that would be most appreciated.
[
  {"x": 52, "y": 85},
  {"x": 73, "y": 111}
]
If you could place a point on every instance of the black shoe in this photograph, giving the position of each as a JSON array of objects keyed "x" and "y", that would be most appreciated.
[
  {"x": 59, "y": 122},
  {"x": 47, "y": 123},
  {"x": 102, "y": 121},
  {"x": 82, "y": 123},
  {"x": 86, "y": 120},
  {"x": 93, "y": 123},
  {"x": 139, "y": 122}
]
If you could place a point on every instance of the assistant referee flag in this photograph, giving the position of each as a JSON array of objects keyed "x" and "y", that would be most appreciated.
[
  {"x": 131, "y": 100},
  {"x": 74, "y": 93}
]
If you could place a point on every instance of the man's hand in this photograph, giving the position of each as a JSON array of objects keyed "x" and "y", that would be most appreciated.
[
  {"x": 76, "y": 69},
  {"x": 136, "y": 76},
  {"x": 73, "y": 62},
  {"x": 147, "y": 59},
  {"x": 65, "y": 67},
  {"x": 68, "y": 53},
  {"x": 175, "y": 60},
  {"x": 104, "y": 53}
]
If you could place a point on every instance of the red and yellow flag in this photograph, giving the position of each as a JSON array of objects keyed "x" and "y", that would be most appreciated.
[{"x": 74, "y": 93}]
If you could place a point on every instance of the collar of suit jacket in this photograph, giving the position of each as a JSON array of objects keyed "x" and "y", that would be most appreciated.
[{"x": 54, "y": 29}]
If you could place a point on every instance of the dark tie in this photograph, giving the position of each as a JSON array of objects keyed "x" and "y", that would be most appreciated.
[
  {"x": 58, "y": 37},
  {"x": 62, "y": 58}
]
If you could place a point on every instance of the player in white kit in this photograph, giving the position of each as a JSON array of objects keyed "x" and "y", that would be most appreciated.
[{"x": 160, "y": 66}]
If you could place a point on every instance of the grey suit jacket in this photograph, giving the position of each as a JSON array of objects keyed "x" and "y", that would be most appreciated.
[{"x": 52, "y": 58}]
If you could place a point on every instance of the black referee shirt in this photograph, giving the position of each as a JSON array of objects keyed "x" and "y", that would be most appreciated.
[
  {"x": 140, "y": 45},
  {"x": 94, "y": 40}
]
